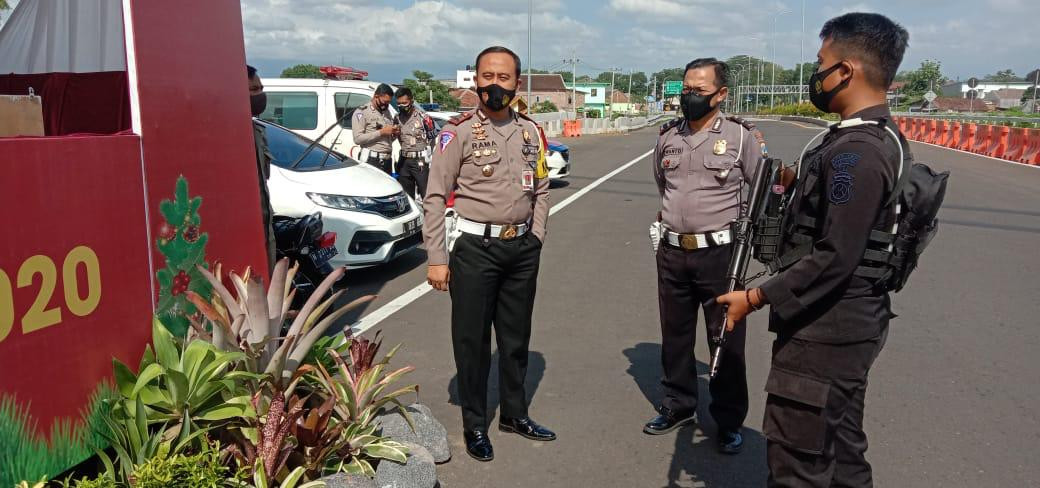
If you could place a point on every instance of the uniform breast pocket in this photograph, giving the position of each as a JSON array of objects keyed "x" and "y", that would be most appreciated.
[
  {"x": 486, "y": 167},
  {"x": 719, "y": 172}
]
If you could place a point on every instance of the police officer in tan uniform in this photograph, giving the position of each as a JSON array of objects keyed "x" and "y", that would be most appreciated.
[
  {"x": 701, "y": 164},
  {"x": 374, "y": 130},
  {"x": 493, "y": 158},
  {"x": 415, "y": 136}
]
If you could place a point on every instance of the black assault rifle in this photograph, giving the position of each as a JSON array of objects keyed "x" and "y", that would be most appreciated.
[{"x": 744, "y": 229}]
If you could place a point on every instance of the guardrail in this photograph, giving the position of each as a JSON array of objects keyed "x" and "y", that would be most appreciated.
[{"x": 559, "y": 124}]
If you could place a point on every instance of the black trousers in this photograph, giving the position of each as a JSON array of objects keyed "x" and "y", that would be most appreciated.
[
  {"x": 688, "y": 281},
  {"x": 413, "y": 173},
  {"x": 492, "y": 283},
  {"x": 814, "y": 413},
  {"x": 384, "y": 164}
]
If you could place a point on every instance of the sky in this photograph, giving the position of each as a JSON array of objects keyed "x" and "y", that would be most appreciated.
[{"x": 391, "y": 38}]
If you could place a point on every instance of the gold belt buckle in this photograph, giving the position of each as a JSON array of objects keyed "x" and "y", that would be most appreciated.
[
  {"x": 508, "y": 232},
  {"x": 688, "y": 242}
]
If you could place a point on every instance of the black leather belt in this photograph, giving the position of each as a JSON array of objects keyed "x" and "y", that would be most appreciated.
[
  {"x": 379, "y": 156},
  {"x": 413, "y": 154}
]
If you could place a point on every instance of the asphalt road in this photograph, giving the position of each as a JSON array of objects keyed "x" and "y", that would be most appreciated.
[{"x": 953, "y": 398}]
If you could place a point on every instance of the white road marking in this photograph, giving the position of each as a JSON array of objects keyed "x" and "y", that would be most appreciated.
[{"x": 381, "y": 313}]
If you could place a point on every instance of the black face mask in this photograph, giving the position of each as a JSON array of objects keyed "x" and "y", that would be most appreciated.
[
  {"x": 404, "y": 109},
  {"x": 257, "y": 104},
  {"x": 498, "y": 98},
  {"x": 694, "y": 106},
  {"x": 822, "y": 99}
]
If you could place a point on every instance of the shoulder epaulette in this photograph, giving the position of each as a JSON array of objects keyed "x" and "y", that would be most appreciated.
[
  {"x": 526, "y": 117},
  {"x": 459, "y": 119},
  {"x": 670, "y": 124},
  {"x": 747, "y": 125}
]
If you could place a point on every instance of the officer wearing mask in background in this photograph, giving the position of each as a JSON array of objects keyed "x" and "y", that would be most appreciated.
[
  {"x": 494, "y": 159},
  {"x": 417, "y": 132},
  {"x": 257, "y": 105},
  {"x": 830, "y": 320},
  {"x": 701, "y": 164},
  {"x": 374, "y": 130}
]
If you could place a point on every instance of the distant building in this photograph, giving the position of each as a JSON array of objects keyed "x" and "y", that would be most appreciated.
[
  {"x": 1006, "y": 98},
  {"x": 595, "y": 94},
  {"x": 468, "y": 99},
  {"x": 961, "y": 88},
  {"x": 549, "y": 87},
  {"x": 620, "y": 102},
  {"x": 895, "y": 93},
  {"x": 464, "y": 78},
  {"x": 955, "y": 104}
]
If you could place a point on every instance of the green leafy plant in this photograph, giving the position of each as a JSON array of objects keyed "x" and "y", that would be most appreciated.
[
  {"x": 204, "y": 469},
  {"x": 189, "y": 387},
  {"x": 252, "y": 320},
  {"x": 292, "y": 480},
  {"x": 360, "y": 388},
  {"x": 135, "y": 442},
  {"x": 362, "y": 444}
]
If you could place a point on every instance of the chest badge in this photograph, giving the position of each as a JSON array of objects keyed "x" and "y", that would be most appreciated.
[
  {"x": 527, "y": 136},
  {"x": 720, "y": 147},
  {"x": 488, "y": 170}
]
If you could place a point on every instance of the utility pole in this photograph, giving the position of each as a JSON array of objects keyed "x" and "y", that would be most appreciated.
[
  {"x": 801, "y": 56},
  {"x": 610, "y": 99},
  {"x": 630, "y": 90},
  {"x": 772, "y": 84},
  {"x": 574, "y": 83},
  {"x": 530, "y": 13}
]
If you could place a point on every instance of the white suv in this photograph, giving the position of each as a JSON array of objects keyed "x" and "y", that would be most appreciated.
[{"x": 309, "y": 106}]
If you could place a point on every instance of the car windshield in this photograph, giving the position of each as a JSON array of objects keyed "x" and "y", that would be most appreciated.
[{"x": 286, "y": 147}]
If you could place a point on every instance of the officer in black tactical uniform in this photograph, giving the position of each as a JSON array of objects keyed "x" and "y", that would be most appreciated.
[{"x": 829, "y": 315}]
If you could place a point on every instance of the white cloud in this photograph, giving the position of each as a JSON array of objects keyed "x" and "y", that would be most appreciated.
[{"x": 424, "y": 32}]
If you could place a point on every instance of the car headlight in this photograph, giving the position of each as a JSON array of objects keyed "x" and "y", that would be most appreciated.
[{"x": 360, "y": 204}]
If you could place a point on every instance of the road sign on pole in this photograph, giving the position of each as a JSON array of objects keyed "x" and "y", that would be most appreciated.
[
  {"x": 672, "y": 88},
  {"x": 930, "y": 96}
]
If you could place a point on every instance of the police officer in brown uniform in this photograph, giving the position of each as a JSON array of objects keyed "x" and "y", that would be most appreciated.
[
  {"x": 701, "y": 164},
  {"x": 374, "y": 130},
  {"x": 415, "y": 136},
  {"x": 492, "y": 158}
]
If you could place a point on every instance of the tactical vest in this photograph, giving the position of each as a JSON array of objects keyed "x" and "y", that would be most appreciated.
[{"x": 792, "y": 220}]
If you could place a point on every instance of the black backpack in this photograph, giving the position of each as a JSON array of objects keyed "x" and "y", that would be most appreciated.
[{"x": 891, "y": 256}]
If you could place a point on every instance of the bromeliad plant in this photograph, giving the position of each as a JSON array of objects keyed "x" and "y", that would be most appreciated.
[
  {"x": 360, "y": 387},
  {"x": 251, "y": 321}
]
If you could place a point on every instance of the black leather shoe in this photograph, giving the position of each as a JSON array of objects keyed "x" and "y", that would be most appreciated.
[
  {"x": 668, "y": 421},
  {"x": 730, "y": 441},
  {"x": 478, "y": 446},
  {"x": 527, "y": 428}
]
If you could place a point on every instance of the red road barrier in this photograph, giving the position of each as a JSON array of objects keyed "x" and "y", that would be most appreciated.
[
  {"x": 968, "y": 133},
  {"x": 982, "y": 139},
  {"x": 954, "y": 137},
  {"x": 904, "y": 125},
  {"x": 1031, "y": 155},
  {"x": 943, "y": 133},
  {"x": 920, "y": 129},
  {"x": 1016, "y": 145},
  {"x": 933, "y": 131},
  {"x": 998, "y": 141}
]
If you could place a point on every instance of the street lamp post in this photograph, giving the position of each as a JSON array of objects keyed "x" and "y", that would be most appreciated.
[
  {"x": 772, "y": 84},
  {"x": 801, "y": 56},
  {"x": 530, "y": 13}
]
